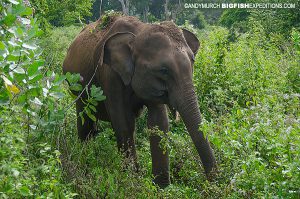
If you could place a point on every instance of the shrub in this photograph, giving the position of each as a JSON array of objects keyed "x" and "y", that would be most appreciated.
[
  {"x": 58, "y": 13},
  {"x": 55, "y": 45},
  {"x": 198, "y": 21},
  {"x": 242, "y": 72},
  {"x": 28, "y": 97},
  {"x": 273, "y": 20}
]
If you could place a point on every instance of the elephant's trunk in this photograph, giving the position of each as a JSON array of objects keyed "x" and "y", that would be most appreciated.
[{"x": 187, "y": 106}]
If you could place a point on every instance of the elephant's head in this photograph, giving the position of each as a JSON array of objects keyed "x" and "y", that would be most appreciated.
[{"x": 158, "y": 64}]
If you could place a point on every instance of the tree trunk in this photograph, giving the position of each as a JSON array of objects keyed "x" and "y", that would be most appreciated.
[
  {"x": 145, "y": 13},
  {"x": 100, "y": 8},
  {"x": 125, "y": 6},
  {"x": 176, "y": 10},
  {"x": 167, "y": 14}
]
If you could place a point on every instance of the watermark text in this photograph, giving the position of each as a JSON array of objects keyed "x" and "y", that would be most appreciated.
[{"x": 240, "y": 5}]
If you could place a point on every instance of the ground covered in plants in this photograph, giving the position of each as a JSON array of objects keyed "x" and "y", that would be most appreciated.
[{"x": 248, "y": 87}]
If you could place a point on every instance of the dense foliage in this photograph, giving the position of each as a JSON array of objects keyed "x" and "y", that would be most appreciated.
[
  {"x": 31, "y": 107},
  {"x": 248, "y": 88},
  {"x": 273, "y": 20},
  {"x": 28, "y": 110},
  {"x": 59, "y": 13}
]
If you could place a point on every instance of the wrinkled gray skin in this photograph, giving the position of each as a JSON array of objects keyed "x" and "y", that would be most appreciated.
[{"x": 140, "y": 65}]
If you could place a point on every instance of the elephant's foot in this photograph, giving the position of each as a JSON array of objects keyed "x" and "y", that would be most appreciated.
[
  {"x": 162, "y": 180},
  {"x": 130, "y": 159},
  {"x": 212, "y": 175},
  {"x": 85, "y": 136}
]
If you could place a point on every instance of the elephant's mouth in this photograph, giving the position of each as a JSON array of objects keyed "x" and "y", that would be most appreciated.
[
  {"x": 160, "y": 93},
  {"x": 160, "y": 96},
  {"x": 154, "y": 95}
]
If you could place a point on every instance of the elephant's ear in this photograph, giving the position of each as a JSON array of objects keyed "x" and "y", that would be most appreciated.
[
  {"x": 116, "y": 52},
  {"x": 191, "y": 40}
]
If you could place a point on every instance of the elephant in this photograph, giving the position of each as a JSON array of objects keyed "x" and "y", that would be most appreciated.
[{"x": 140, "y": 65}]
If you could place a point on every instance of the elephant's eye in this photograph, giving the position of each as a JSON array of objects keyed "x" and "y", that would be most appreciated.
[{"x": 164, "y": 71}]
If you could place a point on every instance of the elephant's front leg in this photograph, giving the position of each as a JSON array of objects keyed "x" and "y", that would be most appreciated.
[{"x": 157, "y": 117}]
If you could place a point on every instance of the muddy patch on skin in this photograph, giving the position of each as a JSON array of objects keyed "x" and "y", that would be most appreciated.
[
  {"x": 168, "y": 29},
  {"x": 108, "y": 19},
  {"x": 95, "y": 31}
]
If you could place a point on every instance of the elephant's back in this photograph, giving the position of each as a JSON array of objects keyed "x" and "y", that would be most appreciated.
[
  {"x": 79, "y": 58},
  {"x": 81, "y": 55}
]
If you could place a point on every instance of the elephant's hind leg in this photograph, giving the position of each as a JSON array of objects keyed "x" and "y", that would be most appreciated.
[
  {"x": 124, "y": 127},
  {"x": 86, "y": 129},
  {"x": 123, "y": 123}
]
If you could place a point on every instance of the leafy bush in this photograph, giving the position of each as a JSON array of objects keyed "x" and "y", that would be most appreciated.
[
  {"x": 235, "y": 18},
  {"x": 28, "y": 97},
  {"x": 31, "y": 107},
  {"x": 250, "y": 100},
  {"x": 29, "y": 170},
  {"x": 55, "y": 45},
  {"x": 58, "y": 13},
  {"x": 210, "y": 76},
  {"x": 242, "y": 72},
  {"x": 259, "y": 149},
  {"x": 273, "y": 20},
  {"x": 199, "y": 21}
]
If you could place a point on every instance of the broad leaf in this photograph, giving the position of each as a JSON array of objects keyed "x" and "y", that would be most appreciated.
[
  {"x": 29, "y": 46},
  {"x": 2, "y": 46},
  {"x": 14, "y": 2}
]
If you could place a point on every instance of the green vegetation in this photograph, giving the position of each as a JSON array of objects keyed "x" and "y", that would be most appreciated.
[
  {"x": 29, "y": 165},
  {"x": 273, "y": 20},
  {"x": 248, "y": 88},
  {"x": 59, "y": 13}
]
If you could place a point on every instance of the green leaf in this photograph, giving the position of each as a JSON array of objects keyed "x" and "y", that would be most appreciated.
[
  {"x": 37, "y": 101},
  {"x": 82, "y": 118},
  {"x": 93, "y": 108},
  {"x": 29, "y": 46},
  {"x": 25, "y": 21},
  {"x": 9, "y": 19},
  {"x": 35, "y": 78},
  {"x": 93, "y": 102},
  {"x": 22, "y": 99},
  {"x": 76, "y": 87},
  {"x": 14, "y": 2},
  {"x": 88, "y": 112},
  {"x": 11, "y": 57},
  {"x": 4, "y": 97},
  {"x": 19, "y": 77},
  {"x": 25, "y": 12},
  {"x": 24, "y": 191},
  {"x": 72, "y": 78},
  {"x": 57, "y": 95},
  {"x": 97, "y": 93},
  {"x": 59, "y": 79},
  {"x": 34, "y": 92},
  {"x": 33, "y": 68},
  {"x": 2, "y": 46},
  {"x": 18, "y": 32},
  {"x": 19, "y": 70}
]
